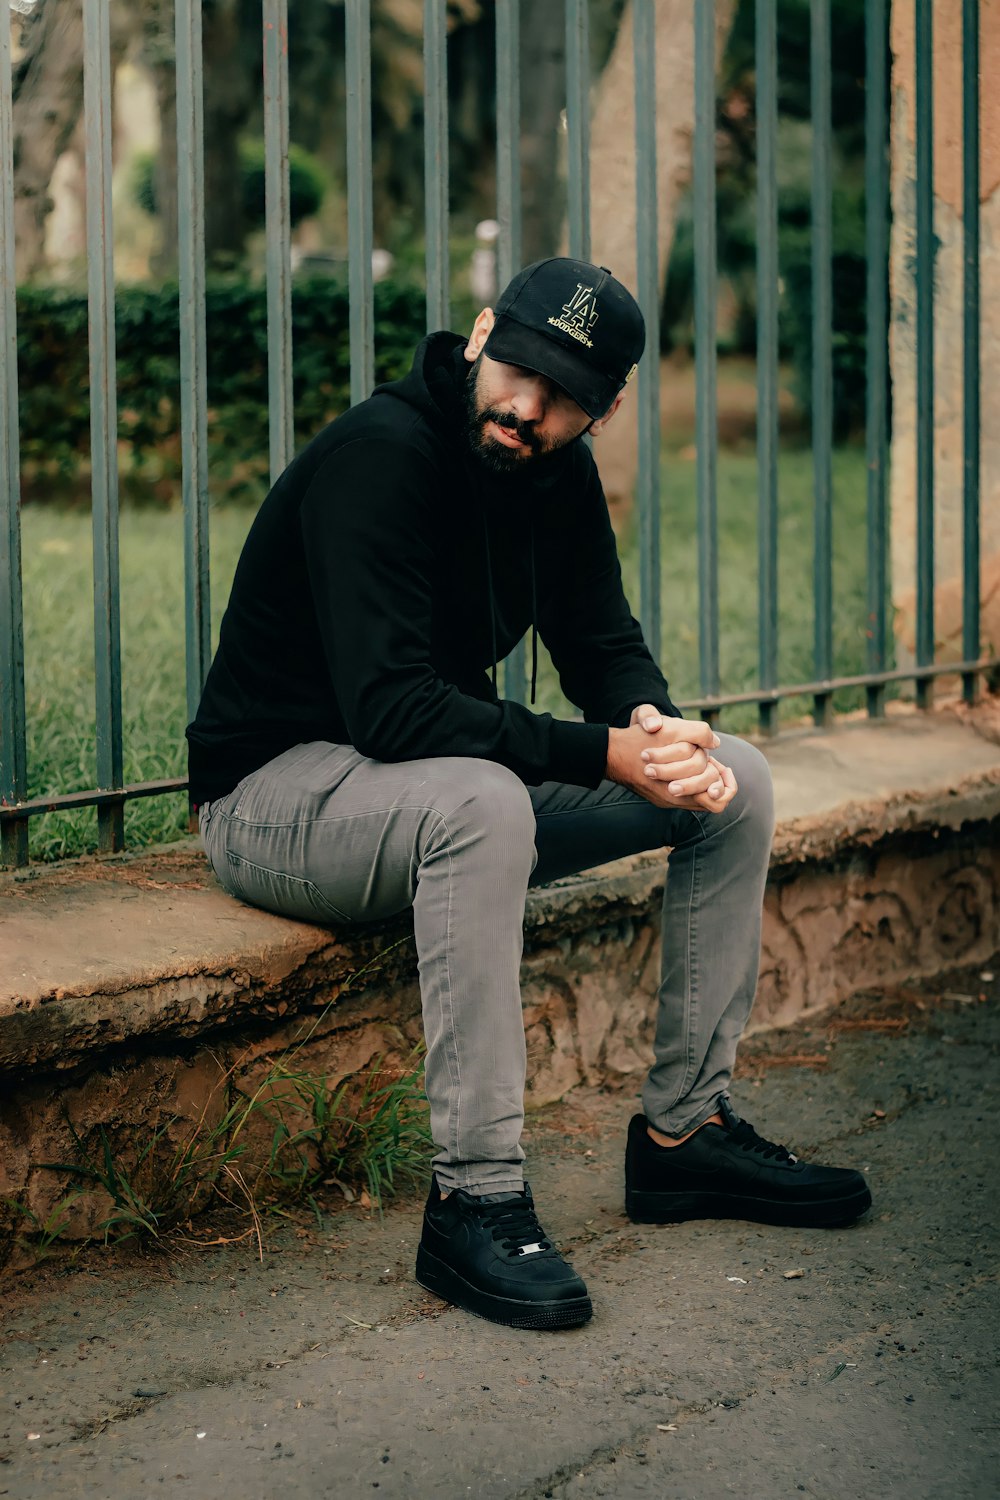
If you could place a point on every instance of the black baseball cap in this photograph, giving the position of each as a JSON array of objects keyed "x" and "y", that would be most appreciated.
[{"x": 574, "y": 323}]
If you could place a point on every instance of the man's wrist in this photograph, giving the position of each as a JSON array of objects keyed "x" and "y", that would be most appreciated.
[{"x": 613, "y": 770}]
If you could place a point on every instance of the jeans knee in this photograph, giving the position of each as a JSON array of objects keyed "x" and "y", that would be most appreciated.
[
  {"x": 488, "y": 800},
  {"x": 753, "y": 777}
]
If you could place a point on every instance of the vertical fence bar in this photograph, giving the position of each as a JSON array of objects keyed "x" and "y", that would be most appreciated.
[
  {"x": 705, "y": 300},
  {"x": 766, "y": 49},
  {"x": 278, "y": 237},
  {"x": 508, "y": 47},
  {"x": 970, "y": 344},
  {"x": 436, "y": 163},
  {"x": 578, "y": 126},
  {"x": 194, "y": 385},
  {"x": 508, "y": 54},
  {"x": 647, "y": 269},
  {"x": 359, "y": 197},
  {"x": 97, "y": 84},
  {"x": 13, "y": 746},
  {"x": 822, "y": 349},
  {"x": 924, "y": 101},
  {"x": 876, "y": 357}
]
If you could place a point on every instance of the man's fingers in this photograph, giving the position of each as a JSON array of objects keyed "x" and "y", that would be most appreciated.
[
  {"x": 722, "y": 790},
  {"x": 690, "y": 786},
  {"x": 725, "y": 780},
  {"x": 707, "y": 800},
  {"x": 672, "y": 769},
  {"x": 699, "y": 733},
  {"x": 667, "y": 754},
  {"x": 649, "y": 717}
]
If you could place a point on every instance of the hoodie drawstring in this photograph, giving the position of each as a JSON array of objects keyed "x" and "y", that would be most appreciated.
[
  {"x": 534, "y": 615},
  {"x": 489, "y": 595},
  {"x": 492, "y": 606}
]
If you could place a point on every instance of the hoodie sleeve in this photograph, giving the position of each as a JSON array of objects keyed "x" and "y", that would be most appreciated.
[
  {"x": 597, "y": 647},
  {"x": 368, "y": 529}
]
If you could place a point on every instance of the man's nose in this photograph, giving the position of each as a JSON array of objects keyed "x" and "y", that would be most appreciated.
[{"x": 528, "y": 399}]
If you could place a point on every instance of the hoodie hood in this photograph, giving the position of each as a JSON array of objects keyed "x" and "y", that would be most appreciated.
[
  {"x": 436, "y": 387},
  {"x": 434, "y": 384}
]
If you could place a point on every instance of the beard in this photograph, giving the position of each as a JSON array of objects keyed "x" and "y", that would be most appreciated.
[{"x": 496, "y": 456}]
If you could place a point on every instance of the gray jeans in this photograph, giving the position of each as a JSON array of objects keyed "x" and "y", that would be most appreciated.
[{"x": 324, "y": 834}]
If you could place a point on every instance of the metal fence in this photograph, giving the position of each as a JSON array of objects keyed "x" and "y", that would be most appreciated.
[{"x": 110, "y": 794}]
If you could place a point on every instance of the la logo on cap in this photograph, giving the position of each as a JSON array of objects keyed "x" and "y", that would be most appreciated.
[{"x": 579, "y": 314}]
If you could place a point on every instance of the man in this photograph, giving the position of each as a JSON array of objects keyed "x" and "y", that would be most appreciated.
[{"x": 351, "y": 758}]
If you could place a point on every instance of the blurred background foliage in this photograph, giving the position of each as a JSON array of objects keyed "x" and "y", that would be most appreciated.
[
  {"x": 52, "y": 310},
  {"x": 53, "y": 317}
]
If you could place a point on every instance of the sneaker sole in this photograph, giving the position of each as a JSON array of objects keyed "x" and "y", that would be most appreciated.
[
  {"x": 677, "y": 1208},
  {"x": 450, "y": 1287}
]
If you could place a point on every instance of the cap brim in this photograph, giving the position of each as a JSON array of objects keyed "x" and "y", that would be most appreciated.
[{"x": 514, "y": 343}]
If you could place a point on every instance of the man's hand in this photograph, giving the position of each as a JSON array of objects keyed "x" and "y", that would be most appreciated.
[{"x": 668, "y": 761}]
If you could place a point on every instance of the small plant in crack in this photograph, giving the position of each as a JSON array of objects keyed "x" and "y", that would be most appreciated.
[
  {"x": 371, "y": 1131},
  {"x": 292, "y": 1135}
]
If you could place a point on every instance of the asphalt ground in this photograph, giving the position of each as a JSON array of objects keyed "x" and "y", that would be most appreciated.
[{"x": 708, "y": 1370}]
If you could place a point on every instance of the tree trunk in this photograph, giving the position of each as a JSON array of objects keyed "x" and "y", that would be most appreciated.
[
  {"x": 232, "y": 80},
  {"x": 231, "y": 70},
  {"x": 158, "y": 55},
  {"x": 48, "y": 98},
  {"x": 612, "y": 188},
  {"x": 543, "y": 88}
]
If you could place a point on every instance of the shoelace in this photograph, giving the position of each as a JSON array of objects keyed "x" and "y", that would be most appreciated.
[
  {"x": 748, "y": 1140},
  {"x": 515, "y": 1225}
]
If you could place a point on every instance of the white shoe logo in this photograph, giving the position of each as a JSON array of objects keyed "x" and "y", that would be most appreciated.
[{"x": 530, "y": 1250}]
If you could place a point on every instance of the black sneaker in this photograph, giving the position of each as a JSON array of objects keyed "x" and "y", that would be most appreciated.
[
  {"x": 730, "y": 1172},
  {"x": 491, "y": 1256}
]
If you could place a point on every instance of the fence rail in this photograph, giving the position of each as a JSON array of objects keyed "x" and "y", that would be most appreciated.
[{"x": 110, "y": 795}]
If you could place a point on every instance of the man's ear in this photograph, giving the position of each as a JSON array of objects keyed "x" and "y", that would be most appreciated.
[
  {"x": 481, "y": 330},
  {"x": 599, "y": 423}
]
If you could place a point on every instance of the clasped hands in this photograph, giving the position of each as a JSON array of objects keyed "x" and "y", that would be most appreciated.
[{"x": 669, "y": 761}]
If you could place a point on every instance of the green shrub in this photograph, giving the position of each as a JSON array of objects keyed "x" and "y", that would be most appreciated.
[
  {"x": 54, "y": 379},
  {"x": 307, "y": 182},
  {"x": 737, "y": 264}
]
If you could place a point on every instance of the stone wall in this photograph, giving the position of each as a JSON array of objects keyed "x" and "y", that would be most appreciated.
[{"x": 840, "y": 915}]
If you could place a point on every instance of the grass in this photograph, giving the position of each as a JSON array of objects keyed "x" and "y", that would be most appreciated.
[
  {"x": 59, "y": 624},
  {"x": 285, "y": 1139},
  {"x": 738, "y": 626},
  {"x": 59, "y": 667}
]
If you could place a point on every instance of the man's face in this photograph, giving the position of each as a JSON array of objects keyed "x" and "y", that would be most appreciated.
[{"x": 516, "y": 415}]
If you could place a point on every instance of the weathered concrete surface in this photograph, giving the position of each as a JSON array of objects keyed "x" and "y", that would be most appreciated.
[
  {"x": 325, "y": 1371},
  {"x": 137, "y": 991}
]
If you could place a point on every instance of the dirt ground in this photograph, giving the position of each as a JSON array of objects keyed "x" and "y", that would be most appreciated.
[{"x": 708, "y": 1370}]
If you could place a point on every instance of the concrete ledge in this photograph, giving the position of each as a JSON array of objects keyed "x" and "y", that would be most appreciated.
[{"x": 135, "y": 984}]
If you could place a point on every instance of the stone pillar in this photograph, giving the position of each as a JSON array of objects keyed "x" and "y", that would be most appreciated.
[{"x": 948, "y": 327}]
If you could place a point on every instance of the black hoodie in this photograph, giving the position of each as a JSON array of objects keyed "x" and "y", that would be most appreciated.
[{"x": 385, "y": 575}]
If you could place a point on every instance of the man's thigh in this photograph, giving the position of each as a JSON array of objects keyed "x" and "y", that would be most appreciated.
[
  {"x": 325, "y": 834},
  {"x": 578, "y": 828}
]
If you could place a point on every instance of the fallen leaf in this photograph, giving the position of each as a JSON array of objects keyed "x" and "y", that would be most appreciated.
[
  {"x": 666, "y": 1426},
  {"x": 793, "y": 1275}
]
